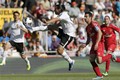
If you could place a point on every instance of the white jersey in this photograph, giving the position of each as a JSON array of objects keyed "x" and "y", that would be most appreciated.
[
  {"x": 67, "y": 25},
  {"x": 16, "y": 34}
]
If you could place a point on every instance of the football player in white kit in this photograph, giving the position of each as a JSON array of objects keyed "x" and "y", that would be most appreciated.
[
  {"x": 66, "y": 34},
  {"x": 16, "y": 31}
]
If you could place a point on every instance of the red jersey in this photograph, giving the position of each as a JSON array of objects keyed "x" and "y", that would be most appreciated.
[
  {"x": 91, "y": 31},
  {"x": 109, "y": 33}
]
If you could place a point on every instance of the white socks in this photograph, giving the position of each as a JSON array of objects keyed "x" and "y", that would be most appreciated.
[
  {"x": 39, "y": 28},
  {"x": 4, "y": 56},
  {"x": 27, "y": 61},
  {"x": 66, "y": 57}
]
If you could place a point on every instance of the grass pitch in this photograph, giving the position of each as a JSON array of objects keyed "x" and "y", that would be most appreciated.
[
  {"x": 54, "y": 69},
  {"x": 61, "y": 76}
]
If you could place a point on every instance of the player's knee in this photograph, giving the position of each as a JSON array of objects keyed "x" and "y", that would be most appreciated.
[
  {"x": 60, "y": 50},
  {"x": 6, "y": 46},
  {"x": 23, "y": 56},
  {"x": 99, "y": 61}
]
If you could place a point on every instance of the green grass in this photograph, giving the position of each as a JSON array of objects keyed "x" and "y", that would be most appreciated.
[
  {"x": 56, "y": 69},
  {"x": 61, "y": 76}
]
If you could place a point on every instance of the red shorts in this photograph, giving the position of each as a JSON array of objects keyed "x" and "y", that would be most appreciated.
[
  {"x": 99, "y": 51},
  {"x": 110, "y": 47}
]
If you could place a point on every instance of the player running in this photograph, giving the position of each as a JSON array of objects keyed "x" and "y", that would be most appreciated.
[
  {"x": 94, "y": 34},
  {"x": 110, "y": 43},
  {"x": 16, "y": 31}
]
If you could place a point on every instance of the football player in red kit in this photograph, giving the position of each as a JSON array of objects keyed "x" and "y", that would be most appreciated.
[
  {"x": 94, "y": 34},
  {"x": 110, "y": 43}
]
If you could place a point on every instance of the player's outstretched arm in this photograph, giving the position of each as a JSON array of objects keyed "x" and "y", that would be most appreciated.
[{"x": 52, "y": 20}]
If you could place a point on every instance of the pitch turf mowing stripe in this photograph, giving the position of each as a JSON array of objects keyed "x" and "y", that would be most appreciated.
[
  {"x": 54, "y": 65},
  {"x": 61, "y": 64},
  {"x": 80, "y": 65},
  {"x": 51, "y": 66}
]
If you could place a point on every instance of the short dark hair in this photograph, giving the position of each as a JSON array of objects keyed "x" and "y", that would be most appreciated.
[
  {"x": 59, "y": 6},
  {"x": 16, "y": 12},
  {"x": 90, "y": 13}
]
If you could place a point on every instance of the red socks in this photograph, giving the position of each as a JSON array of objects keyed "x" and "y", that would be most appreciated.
[
  {"x": 107, "y": 65},
  {"x": 96, "y": 68}
]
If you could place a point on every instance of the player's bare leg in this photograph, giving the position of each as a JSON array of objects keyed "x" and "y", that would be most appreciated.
[
  {"x": 63, "y": 53},
  {"x": 6, "y": 47}
]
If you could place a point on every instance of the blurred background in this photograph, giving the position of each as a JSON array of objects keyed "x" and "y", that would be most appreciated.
[{"x": 41, "y": 46}]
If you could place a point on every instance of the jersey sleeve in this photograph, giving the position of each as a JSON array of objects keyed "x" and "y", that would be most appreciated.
[
  {"x": 115, "y": 28},
  {"x": 96, "y": 27},
  {"x": 63, "y": 16}
]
